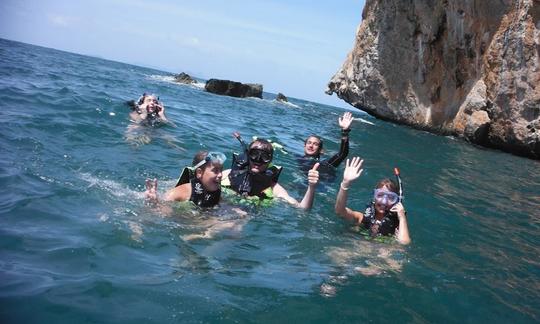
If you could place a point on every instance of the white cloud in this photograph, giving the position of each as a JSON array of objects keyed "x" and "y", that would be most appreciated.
[{"x": 60, "y": 20}]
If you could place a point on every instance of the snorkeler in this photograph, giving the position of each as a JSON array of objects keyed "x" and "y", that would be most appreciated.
[
  {"x": 385, "y": 215},
  {"x": 147, "y": 110},
  {"x": 253, "y": 175},
  {"x": 313, "y": 149},
  {"x": 200, "y": 183}
]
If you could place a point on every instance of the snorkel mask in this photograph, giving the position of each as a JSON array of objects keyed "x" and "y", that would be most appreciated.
[
  {"x": 213, "y": 157},
  {"x": 385, "y": 197},
  {"x": 257, "y": 155}
]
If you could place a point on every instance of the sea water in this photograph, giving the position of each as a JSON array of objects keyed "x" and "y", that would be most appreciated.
[{"x": 78, "y": 244}]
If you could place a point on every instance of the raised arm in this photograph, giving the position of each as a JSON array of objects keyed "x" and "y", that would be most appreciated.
[
  {"x": 307, "y": 201},
  {"x": 402, "y": 234},
  {"x": 345, "y": 124},
  {"x": 161, "y": 112},
  {"x": 353, "y": 170}
]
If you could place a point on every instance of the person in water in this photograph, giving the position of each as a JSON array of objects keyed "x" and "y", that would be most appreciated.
[
  {"x": 253, "y": 175},
  {"x": 313, "y": 149},
  {"x": 200, "y": 183},
  {"x": 385, "y": 215},
  {"x": 147, "y": 110}
]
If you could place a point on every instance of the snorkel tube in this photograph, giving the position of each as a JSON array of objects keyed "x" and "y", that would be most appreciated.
[
  {"x": 398, "y": 178},
  {"x": 239, "y": 138}
]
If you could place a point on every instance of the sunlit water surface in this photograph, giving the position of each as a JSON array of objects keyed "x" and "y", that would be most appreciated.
[{"x": 78, "y": 244}]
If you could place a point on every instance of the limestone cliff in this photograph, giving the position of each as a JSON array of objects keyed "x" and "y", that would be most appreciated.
[{"x": 465, "y": 67}]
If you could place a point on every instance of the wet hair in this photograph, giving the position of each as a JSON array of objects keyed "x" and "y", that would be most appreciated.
[
  {"x": 144, "y": 95},
  {"x": 199, "y": 156},
  {"x": 320, "y": 151},
  {"x": 390, "y": 184},
  {"x": 141, "y": 99},
  {"x": 263, "y": 145}
]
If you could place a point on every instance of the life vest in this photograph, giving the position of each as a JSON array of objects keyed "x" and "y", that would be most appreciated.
[
  {"x": 386, "y": 226},
  {"x": 245, "y": 183},
  {"x": 199, "y": 196}
]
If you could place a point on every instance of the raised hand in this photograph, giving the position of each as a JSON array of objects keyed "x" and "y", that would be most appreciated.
[
  {"x": 313, "y": 175},
  {"x": 345, "y": 120},
  {"x": 399, "y": 209},
  {"x": 151, "y": 190},
  {"x": 353, "y": 170}
]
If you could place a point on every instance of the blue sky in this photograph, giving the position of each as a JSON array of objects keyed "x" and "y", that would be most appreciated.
[{"x": 293, "y": 47}]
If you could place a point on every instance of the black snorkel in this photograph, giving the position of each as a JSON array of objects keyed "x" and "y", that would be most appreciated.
[
  {"x": 398, "y": 178},
  {"x": 239, "y": 138},
  {"x": 241, "y": 161}
]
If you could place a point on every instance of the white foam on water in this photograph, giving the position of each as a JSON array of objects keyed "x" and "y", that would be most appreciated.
[
  {"x": 170, "y": 79},
  {"x": 362, "y": 120},
  {"x": 290, "y": 104},
  {"x": 199, "y": 85},
  {"x": 112, "y": 187},
  {"x": 163, "y": 78}
]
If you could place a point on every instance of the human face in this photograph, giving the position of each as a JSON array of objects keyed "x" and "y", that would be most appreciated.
[
  {"x": 150, "y": 102},
  {"x": 259, "y": 159},
  {"x": 312, "y": 146},
  {"x": 210, "y": 176},
  {"x": 384, "y": 199}
]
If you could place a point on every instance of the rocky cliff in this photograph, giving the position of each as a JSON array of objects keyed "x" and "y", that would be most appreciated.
[{"x": 470, "y": 68}]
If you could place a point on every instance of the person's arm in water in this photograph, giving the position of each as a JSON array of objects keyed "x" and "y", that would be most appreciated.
[
  {"x": 180, "y": 193},
  {"x": 402, "y": 233},
  {"x": 353, "y": 170},
  {"x": 345, "y": 124},
  {"x": 307, "y": 201}
]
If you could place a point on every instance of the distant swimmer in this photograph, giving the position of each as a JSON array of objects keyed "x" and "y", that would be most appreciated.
[
  {"x": 200, "y": 183},
  {"x": 313, "y": 149},
  {"x": 147, "y": 110},
  {"x": 254, "y": 176},
  {"x": 384, "y": 215}
]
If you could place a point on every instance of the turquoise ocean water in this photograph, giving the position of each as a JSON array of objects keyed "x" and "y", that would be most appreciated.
[{"x": 79, "y": 245}]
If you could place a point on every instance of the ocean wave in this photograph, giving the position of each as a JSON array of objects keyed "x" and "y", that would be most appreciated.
[
  {"x": 171, "y": 79},
  {"x": 285, "y": 103}
]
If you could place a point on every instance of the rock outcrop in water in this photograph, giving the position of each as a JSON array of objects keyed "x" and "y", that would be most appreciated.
[
  {"x": 281, "y": 97},
  {"x": 470, "y": 68},
  {"x": 234, "y": 89},
  {"x": 184, "y": 78}
]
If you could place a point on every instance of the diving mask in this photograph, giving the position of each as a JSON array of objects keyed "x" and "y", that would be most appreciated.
[
  {"x": 259, "y": 156},
  {"x": 384, "y": 197},
  {"x": 214, "y": 157}
]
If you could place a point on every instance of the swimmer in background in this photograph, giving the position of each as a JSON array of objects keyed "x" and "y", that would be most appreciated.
[
  {"x": 148, "y": 110},
  {"x": 253, "y": 175},
  {"x": 313, "y": 149},
  {"x": 385, "y": 215}
]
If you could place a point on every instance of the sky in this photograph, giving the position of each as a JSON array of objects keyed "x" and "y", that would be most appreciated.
[{"x": 289, "y": 46}]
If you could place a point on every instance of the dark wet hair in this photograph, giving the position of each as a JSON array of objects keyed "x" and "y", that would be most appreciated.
[
  {"x": 320, "y": 142},
  {"x": 199, "y": 156},
  {"x": 144, "y": 95},
  {"x": 263, "y": 145},
  {"x": 141, "y": 99},
  {"x": 390, "y": 184}
]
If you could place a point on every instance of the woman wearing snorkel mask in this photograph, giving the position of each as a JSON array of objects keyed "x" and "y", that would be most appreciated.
[
  {"x": 253, "y": 175},
  {"x": 385, "y": 215},
  {"x": 200, "y": 183}
]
